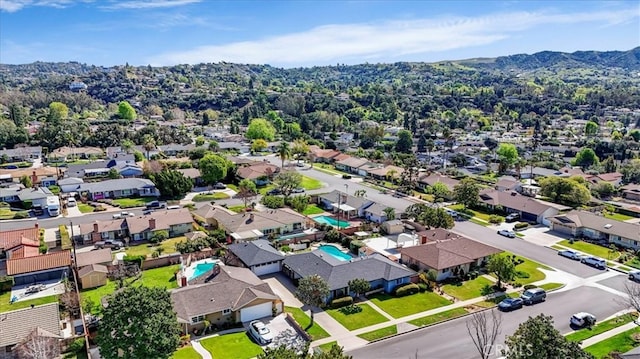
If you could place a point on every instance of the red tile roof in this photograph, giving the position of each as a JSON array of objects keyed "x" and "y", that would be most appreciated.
[
  {"x": 39, "y": 263},
  {"x": 13, "y": 238}
]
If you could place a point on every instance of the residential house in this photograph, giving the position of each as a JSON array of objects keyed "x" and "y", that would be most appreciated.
[
  {"x": 232, "y": 295},
  {"x": 537, "y": 172},
  {"x": 385, "y": 173},
  {"x": 261, "y": 172},
  {"x": 615, "y": 178},
  {"x": 631, "y": 191},
  {"x": 115, "y": 229},
  {"x": 194, "y": 174},
  {"x": 375, "y": 213},
  {"x": 447, "y": 253},
  {"x": 21, "y": 153},
  {"x": 119, "y": 188},
  {"x": 28, "y": 270},
  {"x": 176, "y": 149},
  {"x": 20, "y": 243},
  {"x": 323, "y": 155},
  {"x": 36, "y": 174},
  {"x": 69, "y": 153},
  {"x": 17, "y": 325},
  {"x": 431, "y": 179},
  {"x": 379, "y": 271},
  {"x": 351, "y": 164},
  {"x": 590, "y": 225},
  {"x": 258, "y": 255},
  {"x": 208, "y": 213},
  {"x": 345, "y": 205},
  {"x": 123, "y": 164},
  {"x": 70, "y": 184},
  {"x": 529, "y": 209},
  {"x": 175, "y": 222},
  {"x": 509, "y": 184}
]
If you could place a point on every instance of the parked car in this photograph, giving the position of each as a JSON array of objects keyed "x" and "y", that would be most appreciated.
[
  {"x": 452, "y": 213},
  {"x": 533, "y": 295},
  {"x": 297, "y": 190},
  {"x": 219, "y": 185},
  {"x": 35, "y": 288},
  {"x": 570, "y": 254},
  {"x": 274, "y": 192},
  {"x": 71, "y": 202},
  {"x": 583, "y": 319},
  {"x": 507, "y": 233},
  {"x": 260, "y": 332},
  {"x": 509, "y": 304},
  {"x": 174, "y": 207},
  {"x": 108, "y": 244},
  {"x": 635, "y": 275},
  {"x": 156, "y": 205},
  {"x": 512, "y": 217},
  {"x": 594, "y": 262}
]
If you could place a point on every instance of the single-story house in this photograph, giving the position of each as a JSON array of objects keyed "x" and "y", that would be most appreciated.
[
  {"x": 70, "y": 184},
  {"x": 99, "y": 256},
  {"x": 22, "y": 153},
  {"x": 208, "y": 213},
  {"x": 508, "y": 183},
  {"x": 20, "y": 243},
  {"x": 590, "y": 225},
  {"x": 613, "y": 177},
  {"x": 64, "y": 153},
  {"x": 258, "y": 255},
  {"x": 447, "y": 253},
  {"x": 233, "y": 294},
  {"x": 176, "y": 149},
  {"x": 430, "y": 179},
  {"x": 175, "y": 221},
  {"x": 529, "y": 209},
  {"x": 261, "y": 172},
  {"x": 394, "y": 226},
  {"x": 375, "y": 213},
  {"x": 115, "y": 229},
  {"x": 351, "y": 164},
  {"x": 194, "y": 174},
  {"x": 322, "y": 155},
  {"x": 383, "y": 173},
  {"x": 36, "y": 174},
  {"x": 119, "y": 188},
  {"x": 93, "y": 275},
  {"x": 631, "y": 191},
  {"x": 16, "y": 325},
  {"x": 346, "y": 205},
  {"x": 379, "y": 271},
  {"x": 39, "y": 268}
]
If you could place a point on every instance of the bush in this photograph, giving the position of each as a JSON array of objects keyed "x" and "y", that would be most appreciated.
[
  {"x": 351, "y": 309},
  {"x": 134, "y": 259},
  {"x": 272, "y": 201},
  {"x": 423, "y": 287},
  {"x": 6, "y": 283},
  {"x": 76, "y": 346},
  {"x": 100, "y": 208},
  {"x": 20, "y": 215},
  {"x": 530, "y": 286},
  {"x": 346, "y": 176},
  {"x": 495, "y": 219},
  {"x": 521, "y": 225},
  {"x": 406, "y": 289},
  {"x": 341, "y": 302},
  {"x": 517, "y": 284},
  {"x": 285, "y": 249}
]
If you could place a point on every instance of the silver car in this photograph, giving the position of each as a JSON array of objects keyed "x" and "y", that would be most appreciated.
[
  {"x": 570, "y": 254},
  {"x": 260, "y": 332}
]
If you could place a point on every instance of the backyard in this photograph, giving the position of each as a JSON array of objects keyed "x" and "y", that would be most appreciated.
[
  {"x": 232, "y": 346},
  {"x": 368, "y": 316},
  {"x": 316, "y": 331},
  {"x": 132, "y": 202},
  {"x": 399, "y": 307},
  {"x": 146, "y": 249},
  {"x": 590, "y": 248},
  {"x": 469, "y": 289},
  {"x": 312, "y": 209},
  {"x": 6, "y": 306}
]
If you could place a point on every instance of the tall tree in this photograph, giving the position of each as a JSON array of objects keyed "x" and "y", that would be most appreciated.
[
  {"x": 247, "y": 190},
  {"x": 508, "y": 156},
  {"x": 312, "y": 290},
  {"x": 466, "y": 192},
  {"x": 502, "y": 266},
  {"x": 586, "y": 158},
  {"x": 287, "y": 181},
  {"x": 213, "y": 168},
  {"x": 57, "y": 112},
  {"x": 259, "y": 128},
  {"x": 284, "y": 151},
  {"x": 139, "y": 322},
  {"x": 569, "y": 191},
  {"x": 484, "y": 328},
  {"x": 300, "y": 149},
  {"x": 359, "y": 286},
  {"x": 171, "y": 183},
  {"x": 149, "y": 143},
  {"x": 126, "y": 111},
  {"x": 591, "y": 129},
  {"x": 405, "y": 141}
]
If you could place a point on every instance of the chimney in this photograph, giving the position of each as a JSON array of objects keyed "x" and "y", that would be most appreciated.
[
  {"x": 37, "y": 225},
  {"x": 152, "y": 223},
  {"x": 95, "y": 227},
  {"x": 34, "y": 178},
  {"x": 423, "y": 239}
]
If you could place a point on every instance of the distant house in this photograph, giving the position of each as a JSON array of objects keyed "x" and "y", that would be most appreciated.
[
  {"x": 529, "y": 209},
  {"x": 351, "y": 164},
  {"x": 176, "y": 149},
  {"x": 52, "y": 266},
  {"x": 375, "y": 213},
  {"x": 431, "y": 179},
  {"x": 385, "y": 173},
  {"x": 124, "y": 165},
  {"x": 348, "y": 206},
  {"x": 16, "y": 325},
  {"x": 69, "y": 153},
  {"x": 258, "y": 255},
  {"x": 323, "y": 155},
  {"x": 194, "y": 174},
  {"x": 119, "y": 188},
  {"x": 36, "y": 174},
  {"x": 590, "y": 225},
  {"x": 21, "y": 153},
  {"x": 508, "y": 183},
  {"x": 631, "y": 191},
  {"x": 615, "y": 178},
  {"x": 70, "y": 184}
]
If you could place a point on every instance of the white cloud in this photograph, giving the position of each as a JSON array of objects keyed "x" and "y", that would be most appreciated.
[
  {"x": 331, "y": 43},
  {"x": 15, "y": 5},
  {"x": 149, "y": 4}
]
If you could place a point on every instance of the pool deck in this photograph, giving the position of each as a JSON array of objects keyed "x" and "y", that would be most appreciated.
[{"x": 189, "y": 271}]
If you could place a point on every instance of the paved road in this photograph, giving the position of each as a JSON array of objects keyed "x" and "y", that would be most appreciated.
[
  {"x": 451, "y": 340},
  {"x": 530, "y": 250}
]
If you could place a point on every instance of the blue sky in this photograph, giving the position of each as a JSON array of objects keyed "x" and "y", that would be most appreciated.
[{"x": 305, "y": 33}]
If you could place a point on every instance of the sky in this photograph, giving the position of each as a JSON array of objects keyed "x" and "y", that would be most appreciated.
[{"x": 305, "y": 33}]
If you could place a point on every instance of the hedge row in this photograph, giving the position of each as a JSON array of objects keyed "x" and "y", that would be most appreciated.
[
  {"x": 341, "y": 302},
  {"x": 64, "y": 237},
  {"x": 407, "y": 289}
]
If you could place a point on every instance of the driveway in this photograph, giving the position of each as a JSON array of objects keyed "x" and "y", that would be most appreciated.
[
  {"x": 283, "y": 287},
  {"x": 283, "y": 332},
  {"x": 542, "y": 236}
]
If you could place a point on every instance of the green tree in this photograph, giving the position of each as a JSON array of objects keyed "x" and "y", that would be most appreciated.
[
  {"x": 247, "y": 190},
  {"x": 507, "y": 155},
  {"x": 502, "y": 266},
  {"x": 586, "y": 158},
  {"x": 429, "y": 216},
  {"x": 440, "y": 190},
  {"x": 537, "y": 338},
  {"x": 405, "y": 141},
  {"x": 389, "y": 213},
  {"x": 300, "y": 149},
  {"x": 11, "y": 135},
  {"x": 275, "y": 120},
  {"x": 569, "y": 191},
  {"x": 213, "y": 168},
  {"x": 359, "y": 286},
  {"x": 284, "y": 151},
  {"x": 57, "y": 112},
  {"x": 199, "y": 141},
  {"x": 171, "y": 183},
  {"x": 287, "y": 181},
  {"x": 609, "y": 165},
  {"x": 466, "y": 192},
  {"x": 159, "y": 236},
  {"x": 258, "y": 145},
  {"x": 139, "y": 322},
  {"x": 26, "y": 181},
  {"x": 300, "y": 203},
  {"x": 259, "y": 128},
  {"x": 149, "y": 143},
  {"x": 126, "y": 111},
  {"x": 312, "y": 290},
  {"x": 591, "y": 129}
]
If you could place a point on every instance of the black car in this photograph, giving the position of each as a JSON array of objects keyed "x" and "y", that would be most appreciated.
[
  {"x": 274, "y": 192},
  {"x": 510, "y": 304}
]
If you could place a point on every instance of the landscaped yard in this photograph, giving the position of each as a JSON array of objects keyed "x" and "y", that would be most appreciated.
[
  {"x": 527, "y": 271},
  {"x": 133, "y": 202},
  {"x": 590, "y": 248},
  {"x": 186, "y": 353},
  {"x": 309, "y": 183},
  {"x": 602, "y": 327},
  {"x": 210, "y": 197},
  {"x": 368, "y": 316},
  {"x": 617, "y": 216},
  {"x": 435, "y": 318},
  {"x": 312, "y": 209},
  {"x": 621, "y": 343},
  {"x": 232, "y": 346},
  {"x": 634, "y": 262},
  {"x": 380, "y": 333},
  {"x": 550, "y": 286},
  {"x": 399, "y": 307},
  {"x": 470, "y": 212},
  {"x": 493, "y": 302},
  {"x": 146, "y": 249},
  {"x": 238, "y": 208},
  {"x": 327, "y": 346},
  {"x": 5, "y": 299},
  {"x": 316, "y": 331},
  {"x": 85, "y": 208},
  {"x": 469, "y": 289},
  {"x": 6, "y": 213}
]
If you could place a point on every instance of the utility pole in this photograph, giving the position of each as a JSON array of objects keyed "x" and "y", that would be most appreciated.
[{"x": 73, "y": 244}]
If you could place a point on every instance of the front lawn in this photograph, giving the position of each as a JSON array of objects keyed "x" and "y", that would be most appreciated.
[
  {"x": 634, "y": 262},
  {"x": 550, "y": 286},
  {"x": 186, "y": 353},
  {"x": 399, "y": 307},
  {"x": 368, "y": 316},
  {"x": 490, "y": 303},
  {"x": 316, "y": 331},
  {"x": 146, "y": 249},
  {"x": 470, "y": 212},
  {"x": 232, "y": 346},
  {"x": 85, "y": 208},
  {"x": 133, "y": 202},
  {"x": 210, "y": 197},
  {"x": 5, "y": 299},
  {"x": 309, "y": 183},
  {"x": 621, "y": 343},
  {"x": 6, "y": 213},
  {"x": 617, "y": 216},
  {"x": 435, "y": 318},
  {"x": 312, "y": 209},
  {"x": 380, "y": 333},
  {"x": 527, "y": 272},
  {"x": 590, "y": 248},
  {"x": 602, "y": 327},
  {"x": 469, "y": 289}
]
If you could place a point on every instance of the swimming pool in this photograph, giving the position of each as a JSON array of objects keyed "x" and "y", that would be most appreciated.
[
  {"x": 331, "y": 221},
  {"x": 336, "y": 253},
  {"x": 198, "y": 269}
]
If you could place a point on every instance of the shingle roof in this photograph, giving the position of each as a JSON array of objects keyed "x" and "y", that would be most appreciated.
[
  {"x": 442, "y": 254},
  {"x": 255, "y": 252},
  {"x": 103, "y": 226},
  {"x": 93, "y": 257},
  {"x": 163, "y": 220},
  {"x": 355, "y": 202},
  {"x": 338, "y": 273},
  {"x": 16, "y": 325},
  {"x": 354, "y": 162},
  {"x": 190, "y": 172},
  {"x": 272, "y": 218},
  {"x": 116, "y": 184},
  {"x": 86, "y": 270},
  {"x": 578, "y": 219},
  {"x": 257, "y": 170},
  {"x": 516, "y": 201},
  {"x": 434, "y": 178},
  {"x": 376, "y": 209},
  {"x": 39, "y": 263}
]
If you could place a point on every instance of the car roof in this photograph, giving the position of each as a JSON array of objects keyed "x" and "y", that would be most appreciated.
[{"x": 583, "y": 314}]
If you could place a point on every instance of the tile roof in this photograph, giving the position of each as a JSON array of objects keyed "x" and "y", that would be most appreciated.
[
  {"x": 39, "y": 263},
  {"x": 16, "y": 325},
  {"x": 93, "y": 257},
  {"x": 257, "y": 170},
  {"x": 86, "y": 270},
  {"x": 16, "y": 237},
  {"x": 163, "y": 220},
  {"x": 584, "y": 219},
  {"x": 255, "y": 252},
  {"x": 383, "y": 171}
]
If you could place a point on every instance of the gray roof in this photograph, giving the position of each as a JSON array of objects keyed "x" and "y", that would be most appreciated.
[
  {"x": 255, "y": 252},
  {"x": 35, "y": 193},
  {"x": 355, "y": 202},
  {"x": 376, "y": 209},
  {"x": 16, "y": 325},
  {"x": 70, "y": 181},
  {"x": 116, "y": 185},
  {"x": 338, "y": 273},
  {"x": 584, "y": 219}
]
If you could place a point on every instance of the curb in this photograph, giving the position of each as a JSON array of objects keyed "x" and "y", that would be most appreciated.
[{"x": 608, "y": 267}]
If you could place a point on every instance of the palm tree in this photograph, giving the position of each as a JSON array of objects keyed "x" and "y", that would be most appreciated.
[
  {"x": 284, "y": 151},
  {"x": 391, "y": 175},
  {"x": 389, "y": 213},
  {"x": 148, "y": 143}
]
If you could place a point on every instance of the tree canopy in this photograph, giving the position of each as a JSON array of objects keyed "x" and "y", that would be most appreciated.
[
  {"x": 259, "y": 128},
  {"x": 466, "y": 192},
  {"x": 171, "y": 183},
  {"x": 570, "y": 191},
  {"x": 126, "y": 111},
  {"x": 213, "y": 168}
]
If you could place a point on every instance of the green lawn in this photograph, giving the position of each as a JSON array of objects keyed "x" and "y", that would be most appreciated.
[
  {"x": 157, "y": 277},
  {"x": 550, "y": 286},
  {"x": 233, "y": 187},
  {"x": 326, "y": 347},
  {"x": 210, "y": 197},
  {"x": 316, "y": 331},
  {"x": 617, "y": 216},
  {"x": 560, "y": 248},
  {"x": 5, "y": 299},
  {"x": 399, "y": 307},
  {"x": 469, "y": 289},
  {"x": 380, "y": 333},
  {"x": 133, "y": 202},
  {"x": 368, "y": 316},
  {"x": 493, "y": 302},
  {"x": 232, "y": 346},
  {"x": 327, "y": 168},
  {"x": 634, "y": 262},
  {"x": 186, "y": 353},
  {"x": 602, "y": 327},
  {"x": 238, "y": 208},
  {"x": 85, "y": 208},
  {"x": 528, "y": 270},
  {"x": 312, "y": 209},
  {"x": 146, "y": 249},
  {"x": 621, "y": 343},
  {"x": 593, "y": 249},
  {"x": 477, "y": 221},
  {"x": 435, "y": 318},
  {"x": 309, "y": 183},
  {"x": 470, "y": 212}
]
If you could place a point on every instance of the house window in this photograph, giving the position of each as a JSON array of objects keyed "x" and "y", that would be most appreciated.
[
  {"x": 198, "y": 319},
  {"x": 104, "y": 235},
  {"x": 226, "y": 311}
]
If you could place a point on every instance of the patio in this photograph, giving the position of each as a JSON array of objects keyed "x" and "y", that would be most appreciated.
[{"x": 39, "y": 290}]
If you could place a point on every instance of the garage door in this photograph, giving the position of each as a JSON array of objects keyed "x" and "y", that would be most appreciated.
[
  {"x": 266, "y": 269},
  {"x": 546, "y": 222},
  {"x": 255, "y": 312}
]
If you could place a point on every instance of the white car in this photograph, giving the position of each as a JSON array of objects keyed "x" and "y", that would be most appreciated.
[
  {"x": 583, "y": 319},
  {"x": 594, "y": 262},
  {"x": 507, "y": 233},
  {"x": 260, "y": 332},
  {"x": 71, "y": 202},
  {"x": 570, "y": 254},
  {"x": 635, "y": 276}
]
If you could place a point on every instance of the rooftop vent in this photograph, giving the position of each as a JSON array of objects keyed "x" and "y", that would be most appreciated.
[{"x": 607, "y": 226}]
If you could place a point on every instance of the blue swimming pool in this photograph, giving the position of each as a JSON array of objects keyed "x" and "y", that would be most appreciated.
[
  {"x": 331, "y": 221},
  {"x": 200, "y": 269},
  {"x": 336, "y": 253}
]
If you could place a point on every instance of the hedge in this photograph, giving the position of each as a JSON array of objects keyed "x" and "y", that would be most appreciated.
[
  {"x": 6, "y": 283},
  {"x": 64, "y": 237},
  {"x": 134, "y": 259},
  {"x": 341, "y": 302},
  {"x": 407, "y": 289},
  {"x": 521, "y": 225}
]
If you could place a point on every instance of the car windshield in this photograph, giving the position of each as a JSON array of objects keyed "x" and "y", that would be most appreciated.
[
  {"x": 509, "y": 300},
  {"x": 263, "y": 330}
]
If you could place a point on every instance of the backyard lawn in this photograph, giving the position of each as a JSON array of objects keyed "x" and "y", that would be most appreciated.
[
  {"x": 621, "y": 343},
  {"x": 380, "y": 333},
  {"x": 309, "y": 183},
  {"x": 601, "y": 327},
  {"x": 146, "y": 249},
  {"x": 469, "y": 289},
  {"x": 617, "y": 216},
  {"x": 590, "y": 248},
  {"x": 5, "y": 299},
  {"x": 186, "y": 353},
  {"x": 399, "y": 307},
  {"x": 312, "y": 209},
  {"x": 435, "y": 318},
  {"x": 133, "y": 202},
  {"x": 210, "y": 197},
  {"x": 316, "y": 331},
  {"x": 232, "y": 346},
  {"x": 85, "y": 208},
  {"x": 368, "y": 316}
]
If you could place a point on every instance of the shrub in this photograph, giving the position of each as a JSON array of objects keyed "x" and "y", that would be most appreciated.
[
  {"x": 285, "y": 249},
  {"x": 521, "y": 225},
  {"x": 407, "y": 289},
  {"x": 517, "y": 284},
  {"x": 159, "y": 236},
  {"x": 341, "y": 302},
  {"x": 272, "y": 201},
  {"x": 351, "y": 309},
  {"x": 6, "y": 283},
  {"x": 20, "y": 215},
  {"x": 529, "y": 286},
  {"x": 134, "y": 259},
  {"x": 346, "y": 176},
  {"x": 423, "y": 287},
  {"x": 76, "y": 346},
  {"x": 521, "y": 274},
  {"x": 100, "y": 208},
  {"x": 495, "y": 219}
]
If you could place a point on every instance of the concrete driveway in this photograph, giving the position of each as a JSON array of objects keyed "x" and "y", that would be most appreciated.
[
  {"x": 284, "y": 288},
  {"x": 283, "y": 332},
  {"x": 542, "y": 236}
]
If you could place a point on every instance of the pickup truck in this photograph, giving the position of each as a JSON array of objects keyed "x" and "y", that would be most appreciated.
[{"x": 108, "y": 244}]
